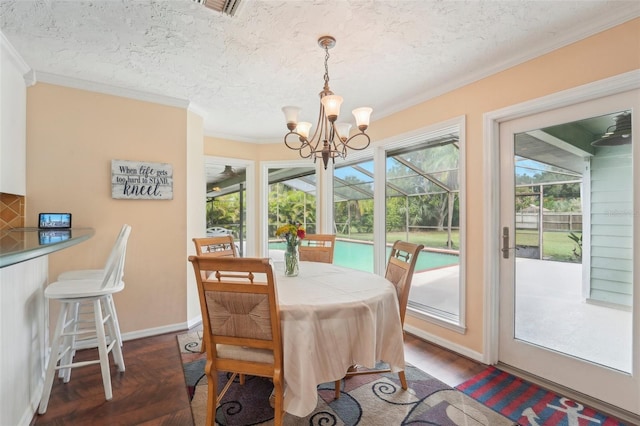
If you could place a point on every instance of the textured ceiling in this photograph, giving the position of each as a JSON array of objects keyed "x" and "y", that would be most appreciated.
[{"x": 241, "y": 70}]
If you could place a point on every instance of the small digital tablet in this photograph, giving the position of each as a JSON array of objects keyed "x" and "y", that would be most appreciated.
[{"x": 54, "y": 220}]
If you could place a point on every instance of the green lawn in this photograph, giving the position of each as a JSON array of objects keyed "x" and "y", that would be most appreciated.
[
  {"x": 434, "y": 239},
  {"x": 557, "y": 245}
]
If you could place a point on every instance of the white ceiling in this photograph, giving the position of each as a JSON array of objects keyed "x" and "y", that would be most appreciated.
[{"x": 239, "y": 71}]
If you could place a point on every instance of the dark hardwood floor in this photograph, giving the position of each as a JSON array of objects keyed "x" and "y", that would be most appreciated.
[{"x": 152, "y": 389}]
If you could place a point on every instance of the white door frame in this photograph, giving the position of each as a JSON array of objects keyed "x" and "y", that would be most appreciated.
[
  {"x": 610, "y": 86},
  {"x": 250, "y": 195}
]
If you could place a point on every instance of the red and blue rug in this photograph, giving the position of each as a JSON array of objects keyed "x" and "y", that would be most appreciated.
[{"x": 529, "y": 404}]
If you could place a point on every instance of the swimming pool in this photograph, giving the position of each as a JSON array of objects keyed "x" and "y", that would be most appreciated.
[{"x": 360, "y": 256}]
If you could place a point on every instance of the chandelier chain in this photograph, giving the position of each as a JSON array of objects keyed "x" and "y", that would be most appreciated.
[{"x": 326, "y": 68}]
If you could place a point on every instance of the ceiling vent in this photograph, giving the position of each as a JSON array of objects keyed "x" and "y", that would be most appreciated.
[{"x": 227, "y": 7}]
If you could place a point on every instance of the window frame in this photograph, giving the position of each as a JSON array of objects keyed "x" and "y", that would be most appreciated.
[
  {"x": 408, "y": 140},
  {"x": 264, "y": 196}
]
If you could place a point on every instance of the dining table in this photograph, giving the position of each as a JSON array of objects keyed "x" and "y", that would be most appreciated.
[{"x": 333, "y": 317}]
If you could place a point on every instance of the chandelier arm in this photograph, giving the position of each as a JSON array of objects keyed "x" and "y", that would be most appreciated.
[
  {"x": 339, "y": 148},
  {"x": 346, "y": 143},
  {"x": 318, "y": 131},
  {"x": 301, "y": 141}
]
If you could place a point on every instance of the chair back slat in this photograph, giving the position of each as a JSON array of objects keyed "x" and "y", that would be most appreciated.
[
  {"x": 114, "y": 270},
  {"x": 220, "y": 246},
  {"x": 113, "y": 255},
  {"x": 400, "y": 267},
  {"x": 317, "y": 248}
]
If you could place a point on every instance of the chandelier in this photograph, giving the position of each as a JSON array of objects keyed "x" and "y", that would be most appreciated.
[{"x": 330, "y": 138}]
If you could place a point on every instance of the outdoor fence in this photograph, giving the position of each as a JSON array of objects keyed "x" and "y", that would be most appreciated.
[{"x": 555, "y": 221}]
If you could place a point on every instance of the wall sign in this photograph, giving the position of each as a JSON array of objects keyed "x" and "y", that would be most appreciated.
[{"x": 137, "y": 180}]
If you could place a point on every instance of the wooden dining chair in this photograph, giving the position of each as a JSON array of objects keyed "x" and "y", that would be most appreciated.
[
  {"x": 241, "y": 324},
  {"x": 317, "y": 248},
  {"x": 222, "y": 246},
  {"x": 218, "y": 246},
  {"x": 400, "y": 267}
]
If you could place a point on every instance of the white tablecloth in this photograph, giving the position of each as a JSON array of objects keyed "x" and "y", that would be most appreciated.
[{"x": 333, "y": 317}]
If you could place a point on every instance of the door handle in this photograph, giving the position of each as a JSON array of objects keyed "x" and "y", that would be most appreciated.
[{"x": 505, "y": 243}]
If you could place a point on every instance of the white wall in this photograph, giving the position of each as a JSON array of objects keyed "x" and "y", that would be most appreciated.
[
  {"x": 13, "y": 113},
  {"x": 23, "y": 313},
  {"x": 23, "y": 328}
]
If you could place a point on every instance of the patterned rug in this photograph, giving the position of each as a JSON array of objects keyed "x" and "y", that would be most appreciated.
[
  {"x": 368, "y": 400},
  {"x": 528, "y": 404}
]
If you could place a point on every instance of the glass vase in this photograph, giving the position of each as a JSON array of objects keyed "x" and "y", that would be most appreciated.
[{"x": 291, "y": 260}]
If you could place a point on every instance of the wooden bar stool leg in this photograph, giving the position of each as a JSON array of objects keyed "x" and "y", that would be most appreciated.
[
  {"x": 54, "y": 357},
  {"x": 116, "y": 343},
  {"x": 70, "y": 329},
  {"x": 115, "y": 319},
  {"x": 102, "y": 349}
]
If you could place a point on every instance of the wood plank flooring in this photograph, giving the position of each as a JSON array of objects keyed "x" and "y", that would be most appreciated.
[{"x": 152, "y": 389}]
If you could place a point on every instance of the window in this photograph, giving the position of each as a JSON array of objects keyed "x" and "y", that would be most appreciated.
[
  {"x": 424, "y": 204},
  {"x": 289, "y": 195},
  {"x": 353, "y": 214},
  {"x": 292, "y": 198}
]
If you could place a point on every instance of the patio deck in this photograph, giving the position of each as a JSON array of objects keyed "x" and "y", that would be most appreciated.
[{"x": 551, "y": 311}]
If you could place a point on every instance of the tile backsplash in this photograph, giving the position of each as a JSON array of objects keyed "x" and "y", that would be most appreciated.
[{"x": 11, "y": 211}]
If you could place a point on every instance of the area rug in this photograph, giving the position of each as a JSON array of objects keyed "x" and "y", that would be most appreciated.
[
  {"x": 368, "y": 400},
  {"x": 529, "y": 404}
]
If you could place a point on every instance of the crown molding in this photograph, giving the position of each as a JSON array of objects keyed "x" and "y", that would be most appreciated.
[
  {"x": 586, "y": 30},
  {"x": 236, "y": 138},
  {"x": 15, "y": 57},
  {"x": 76, "y": 83},
  {"x": 199, "y": 110}
]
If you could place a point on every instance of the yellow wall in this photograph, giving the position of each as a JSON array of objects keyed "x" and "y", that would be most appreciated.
[
  {"x": 595, "y": 58},
  {"x": 196, "y": 214},
  {"x": 73, "y": 135},
  {"x": 603, "y": 55}
]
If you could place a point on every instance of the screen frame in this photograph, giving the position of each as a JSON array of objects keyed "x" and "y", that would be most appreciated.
[{"x": 61, "y": 220}]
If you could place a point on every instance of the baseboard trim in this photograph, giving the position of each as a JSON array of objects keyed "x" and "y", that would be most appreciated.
[
  {"x": 32, "y": 410},
  {"x": 464, "y": 351},
  {"x": 194, "y": 322},
  {"x": 140, "y": 334}
]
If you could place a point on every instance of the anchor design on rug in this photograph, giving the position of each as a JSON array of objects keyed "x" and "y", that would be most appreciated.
[{"x": 572, "y": 412}]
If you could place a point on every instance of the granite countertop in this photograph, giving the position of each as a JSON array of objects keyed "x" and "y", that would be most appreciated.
[{"x": 22, "y": 244}]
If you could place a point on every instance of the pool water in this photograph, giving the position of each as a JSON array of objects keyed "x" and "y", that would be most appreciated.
[{"x": 360, "y": 256}]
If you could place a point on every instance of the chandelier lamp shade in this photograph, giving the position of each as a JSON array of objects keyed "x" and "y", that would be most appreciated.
[{"x": 330, "y": 138}]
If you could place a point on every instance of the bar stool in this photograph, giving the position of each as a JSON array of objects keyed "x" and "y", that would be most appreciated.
[
  {"x": 96, "y": 274},
  {"x": 70, "y": 331}
]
